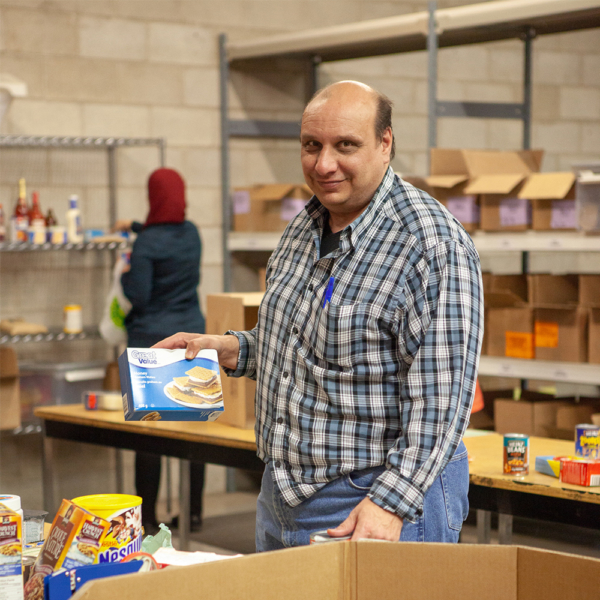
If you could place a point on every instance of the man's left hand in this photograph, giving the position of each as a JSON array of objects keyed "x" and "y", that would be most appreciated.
[{"x": 369, "y": 521}]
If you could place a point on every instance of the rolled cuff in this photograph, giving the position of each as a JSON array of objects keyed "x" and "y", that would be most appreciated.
[{"x": 397, "y": 495}]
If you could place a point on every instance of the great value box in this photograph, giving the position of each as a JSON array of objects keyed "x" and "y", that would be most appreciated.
[
  {"x": 369, "y": 570},
  {"x": 268, "y": 207},
  {"x": 238, "y": 312}
]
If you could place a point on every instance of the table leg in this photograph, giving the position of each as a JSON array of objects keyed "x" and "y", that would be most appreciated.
[
  {"x": 505, "y": 526},
  {"x": 169, "y": 484},
  {"x": 484, "y": 526},
  {"x": 119, "y": 470},
  {"x": 48, "y": 474},
  {"x": 184, "y": 504}
]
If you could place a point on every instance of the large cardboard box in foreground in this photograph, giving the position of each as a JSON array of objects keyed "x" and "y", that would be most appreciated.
[
  {"x": 238, "y": 312},
  {"x": 368, "y": 571},
  {"x": 10, "y": 403}
]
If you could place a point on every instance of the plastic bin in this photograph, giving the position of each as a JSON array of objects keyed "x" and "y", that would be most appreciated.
[{"x": 45, "y": 384}]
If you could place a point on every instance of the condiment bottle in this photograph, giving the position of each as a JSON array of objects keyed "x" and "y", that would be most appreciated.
[
  {"x": 37, "y": 222},
  {"x": 51, "y": 223},
  {"x": 74, "y": 227},
  {"x": 20, "y": 219}
]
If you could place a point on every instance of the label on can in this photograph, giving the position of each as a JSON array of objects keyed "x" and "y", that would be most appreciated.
[
  {"x": 321, "y": 537},
  {"x": 587, "y": 441},
  {"x": 516, "y": 454}
]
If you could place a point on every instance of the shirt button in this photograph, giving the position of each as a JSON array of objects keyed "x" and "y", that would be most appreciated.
[
  {"x": 295, "y": 331},
  {"x": 280, "y": 420},
  {"x": 277, "y": 464},
  {"x": 286, "y": 374},
  {"x": 310, "y": 287}
]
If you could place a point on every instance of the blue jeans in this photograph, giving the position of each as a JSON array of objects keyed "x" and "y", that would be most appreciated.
[{"x": 445, "y": 507}]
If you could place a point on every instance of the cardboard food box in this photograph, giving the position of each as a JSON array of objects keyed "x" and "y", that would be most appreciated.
[
  {"x": 74, "y": 540},
  {"x": 268, "y": 207},
  {"x": 11, "y": 554},
  {"x": 10, "y": 403},
  {"x": 499, "y": 177},
  {"x": 534, "y": 414},
  {"x": 551, "y": 291},
  {"x": 580, "y": 471},
  {"x": 159, "y": 384},
  {"x": 237, "y": 312},
  {"x": 368, "y": 570},
  {"x": 589, "y": 291},
  {"x": 552, "y": 197}
]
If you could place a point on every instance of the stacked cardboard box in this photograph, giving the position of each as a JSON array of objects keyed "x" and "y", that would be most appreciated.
[
  {"x": 268, "y": 207},
  {"x": 481, "y": 187},
  {"x": 589, "y": 299},
  {"x": 238, "y": 312}
]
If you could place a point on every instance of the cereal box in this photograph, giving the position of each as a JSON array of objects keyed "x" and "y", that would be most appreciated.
[
  {"x": 160, "y": 384},
  {"x": 580, "y": 471},
  {"x": 74, "y": 541},
  {"x": 11, "y": 554}
]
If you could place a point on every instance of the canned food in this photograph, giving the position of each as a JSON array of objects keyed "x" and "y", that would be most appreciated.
[
  {"x": 73, "y": 320},
  {"x": 587, "y": 440},
  {"x": 516, "y": 454},
  {"x": 321, "y": 537},
  {"x": 124, "y": 513}
]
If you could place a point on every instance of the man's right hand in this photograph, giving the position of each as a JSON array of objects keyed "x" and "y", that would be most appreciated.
[{"x": 227, "y": 346}]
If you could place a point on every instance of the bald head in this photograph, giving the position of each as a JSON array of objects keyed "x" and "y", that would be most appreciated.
[{"x": 356, "y": 93}]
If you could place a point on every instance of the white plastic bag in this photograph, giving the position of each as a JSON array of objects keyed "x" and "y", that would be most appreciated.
[{"x": 112, "y": 326}]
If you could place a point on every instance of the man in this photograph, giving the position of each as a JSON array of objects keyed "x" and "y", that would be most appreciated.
[{"x": 366, "y": 347}]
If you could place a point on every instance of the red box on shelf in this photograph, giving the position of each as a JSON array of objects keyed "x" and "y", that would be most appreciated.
[{"x": 580, "y": 471}]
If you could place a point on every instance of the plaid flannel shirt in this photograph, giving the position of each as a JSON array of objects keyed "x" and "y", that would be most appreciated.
[{"x": 384, "y": 372}]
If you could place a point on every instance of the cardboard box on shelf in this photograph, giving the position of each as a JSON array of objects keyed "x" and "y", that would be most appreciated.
[
  {"x": 561, "y": 334},
  {"x": 534, "y": 414},
  {"x": 552, "y": 197},
  {"x": 268, "y": 207},
  {"x": 551, "y": 291},
  {"x": 484, "y": 419},
  {"x": 368, "y": 570},
  {"x": 587, "y": 198},
  {"x": 589, "y": 291},
  {"x": 10, "y": 403},
  {"x": 238, "y": 312},
  {"x": 594, "y": 336},
  {"x": 573, "y": 414}
]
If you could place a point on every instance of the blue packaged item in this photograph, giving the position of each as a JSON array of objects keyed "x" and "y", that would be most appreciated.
[{"x": 160, "y": 384}]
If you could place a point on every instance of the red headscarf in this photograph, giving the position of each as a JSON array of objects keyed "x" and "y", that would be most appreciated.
[{"x": 166, "y": 194}]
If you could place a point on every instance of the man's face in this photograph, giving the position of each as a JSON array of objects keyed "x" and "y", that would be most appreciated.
[{"x": 342, "y": 161}]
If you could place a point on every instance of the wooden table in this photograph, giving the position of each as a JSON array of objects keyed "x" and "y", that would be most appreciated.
[
  {"x": 188, "y": 441},
  {"x": 535, "y": 496}
]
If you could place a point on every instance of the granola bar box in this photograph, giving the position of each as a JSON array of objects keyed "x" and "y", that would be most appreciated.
[
  {"x": 160, "y": 384},
  {"x": 11, "y": 554},
  {"x": 74, "y": 541}
]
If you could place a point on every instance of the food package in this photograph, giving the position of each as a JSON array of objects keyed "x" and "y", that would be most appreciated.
[
  {"x": 74, "y": 540},
  {"x": 580, "y": 471},
  {"x": 160, "y": 384},
  {"x": 11, "y": 554}
]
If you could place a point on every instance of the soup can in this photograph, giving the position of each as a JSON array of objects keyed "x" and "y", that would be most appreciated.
[
  {"x": 124, "y": 512},
  {"x": 322, "y": 537},
  {"x": 516, "y": 454},
  {"x": 587, "y": 440}
]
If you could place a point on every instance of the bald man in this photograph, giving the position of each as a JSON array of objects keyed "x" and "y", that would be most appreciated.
[{"x": 366, "y": 347}]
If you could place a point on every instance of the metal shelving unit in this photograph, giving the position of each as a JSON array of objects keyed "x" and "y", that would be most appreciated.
[
  {"x": 83, "y": 246},
  {"x": 51, "y": 336}
]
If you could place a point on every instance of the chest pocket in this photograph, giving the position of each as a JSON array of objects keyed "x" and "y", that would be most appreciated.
[{"x": 354, "y": 336}]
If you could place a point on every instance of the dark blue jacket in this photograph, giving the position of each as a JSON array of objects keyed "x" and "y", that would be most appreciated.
[{"x": 162, "y": 284}]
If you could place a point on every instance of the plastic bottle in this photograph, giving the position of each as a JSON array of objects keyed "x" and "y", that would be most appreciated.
[
  {"x": 20, "y": 219},
  {"x": 74, "y": 227},
  {"x": 37, "y": 222},
  {"x": 12, "y": 502}
]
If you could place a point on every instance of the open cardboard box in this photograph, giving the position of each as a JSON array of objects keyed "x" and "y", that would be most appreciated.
[
  {"x": 238, "y": 312},
  {"x": 368, "y": 570},
  {"x": 268, "y": 207},
  {"x": 552, "y": 197}
]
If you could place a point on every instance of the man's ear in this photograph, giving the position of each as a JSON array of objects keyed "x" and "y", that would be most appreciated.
[{"x": 386, "y": 142}]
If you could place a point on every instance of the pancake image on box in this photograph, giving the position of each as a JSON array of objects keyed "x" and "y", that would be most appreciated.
[{"x": 160, "y": 384}]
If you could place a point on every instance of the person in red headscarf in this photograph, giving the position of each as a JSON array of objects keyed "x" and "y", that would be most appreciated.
[{"x": 162, "y": 286}]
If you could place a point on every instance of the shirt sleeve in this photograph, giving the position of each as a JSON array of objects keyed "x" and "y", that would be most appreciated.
[
  {"x": 246, "y": 366},
  {"x": 439, "y": 341}
]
